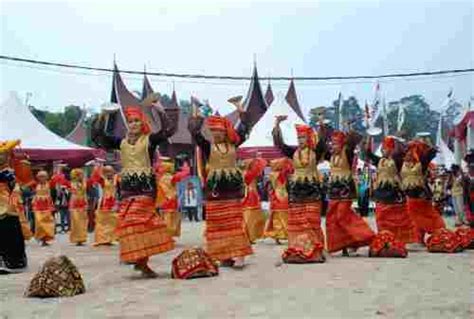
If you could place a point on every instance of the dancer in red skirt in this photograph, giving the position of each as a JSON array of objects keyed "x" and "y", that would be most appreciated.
[
  {"x": 391, "y": 208},
  {"x": 344, "y": 228},
  {"x": 415, "y": 185}
]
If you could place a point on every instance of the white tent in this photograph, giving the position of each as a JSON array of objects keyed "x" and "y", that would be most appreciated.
[
  {"x": 17, "y": 122},
  {"x": 261, "y": 134},
  {"x": 444, "y": 156}
]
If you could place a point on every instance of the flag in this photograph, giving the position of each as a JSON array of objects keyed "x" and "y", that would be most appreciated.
[
  {"x": 400, "y": 117},
  {"x": 384, "y": 117},
  {"x": 447, "y": 101},
  {"x": 438, "y": 133},
  {"x": 339, "y": 119}
]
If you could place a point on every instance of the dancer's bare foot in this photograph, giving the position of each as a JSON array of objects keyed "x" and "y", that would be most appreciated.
[
  {"x": 227, "y": 263},
  {"x": 44, "y": 243},
  {"x": 278, "y": 242},
  {"x": 146, "y": 271},
  {"x": 80, "y": 244},
  {"x": 345, "y": 253}
]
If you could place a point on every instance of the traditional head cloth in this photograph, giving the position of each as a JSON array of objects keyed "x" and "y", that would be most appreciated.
[
  {"x": 42, "y": 173},
  {"x": 338, "y": 138},
  {"x": 219, "y": 123},
  {"x": 388, "y": 143},
  {"x": 308, "y": 132},
  {"x": 416, "y": 149},
  {"x": 165, "y": 165},
  {"x": 8, "y": 146},
  {"x": 283, "y": 165},
  {"x": 137, "y": 113}
]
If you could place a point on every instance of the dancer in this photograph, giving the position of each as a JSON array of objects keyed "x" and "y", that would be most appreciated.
[
  {"x": 105, "y": 215},
  {"x": 17, "y": 200},
  {"x": 43, "y": 208},
  {"x": 277, "y": 223},
  {"x": 344, "y": 228},
  {"x": 457, "y": 194},
  {"x": 167, "y": 201},
  {"x": 391, "y": 208},
  {"x": 12, "y": 246},
  {"x": 415, "y": 185},
  {"x": 304, "y": 215},
  {"x": 253, "y": 215},
  {"x": 141, "y": 232},
  {"x": 225, "y": 236},
  {"x": 78, "y": 208}
]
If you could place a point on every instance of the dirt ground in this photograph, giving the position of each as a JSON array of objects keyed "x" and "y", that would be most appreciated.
[{"x": 421, "y": 286}]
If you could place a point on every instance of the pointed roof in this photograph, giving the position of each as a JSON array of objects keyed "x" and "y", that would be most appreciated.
[
  {"x": 255, "y": 103},
  {"x": 182, "y": 135},
  {"x": 261, "y": 134},
  {"x": 78, "y": 135},
  {"x": 146, "y": 87},
  {"x": 269, "y": 95},
  {"x": 292, "y": 99}
]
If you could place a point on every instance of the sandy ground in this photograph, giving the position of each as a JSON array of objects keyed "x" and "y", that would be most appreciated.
[{"x": 422, "y": 286}]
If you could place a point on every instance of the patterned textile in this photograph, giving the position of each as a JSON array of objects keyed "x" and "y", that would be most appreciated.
[
  {"x": 394, "y": 218},
  {"x": 443, "y": 241},
  {"x": 106, "y": 221},
  {"x": 194, "y": 263},
  {"x": 78, "y": 233},
  {"x": 344, "y": 228},
  {"x": 304, "y": 250},
  {"x": 424, "y": 215},
  {"x": 277, "y": 225},
  {"x": 58, "y": 277},
  {"x": 304, "y": 218},
  {"x": 44, "y": 225},
  {"x": 385, "y": 244},
  {"x": 224, "y": 231},
  {"x": 254, "y": 223},
  {"x": 464, "y": 234},
  {"x": 142, "y": 233},
  {"x": 173, "y": 222}
]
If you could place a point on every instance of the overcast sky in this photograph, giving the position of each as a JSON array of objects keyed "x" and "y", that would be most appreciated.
[{"x": 306, "y": 38}]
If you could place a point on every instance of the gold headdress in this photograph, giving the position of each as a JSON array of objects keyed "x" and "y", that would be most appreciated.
[{"x": 8, "y": 146}]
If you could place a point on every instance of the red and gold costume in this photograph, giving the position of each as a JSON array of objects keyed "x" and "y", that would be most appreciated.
[
  {"x": 12, "y": 245},
  {"x": 224, "y": 190},
  {"x": 142, "y": 233},
  {"x": 277, "y": 223},
  {"x": 43, "y": 208},
  {"x": 391, "y": 212},
  {"x": 344, "y": 228},
  {"x": 167, "y": 200},
  {"x": 78, "y": 207},
  {"x": 414, "y": 184},
  {"x": 20, "y": 209},
  {"x": 304, "y": 214},
  {"x": 253, "y": 215}
]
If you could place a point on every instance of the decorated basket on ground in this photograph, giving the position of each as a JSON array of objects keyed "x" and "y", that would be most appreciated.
[
  {"x": 465, "y": 238},
  {"x": 384, "y": 244},
  {"x": 194, "y": 263},
  {"x": 58, "y": 277},
  {"x": 304, "y": 251},
  {"x": 444, "y": 241}
]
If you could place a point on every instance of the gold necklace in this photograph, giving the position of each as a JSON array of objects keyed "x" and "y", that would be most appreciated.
[{"x": 226, "y": 149}]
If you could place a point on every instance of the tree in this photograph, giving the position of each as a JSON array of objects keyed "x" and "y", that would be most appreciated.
[
  {"x": 61, "y": 123},
  {"x": 350, "y": 112}
]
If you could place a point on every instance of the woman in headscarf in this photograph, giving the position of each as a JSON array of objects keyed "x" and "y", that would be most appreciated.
[
  {"x": 344, "y": 228},
  {"x": 253, "y": 215},
  {"x": 78, "y": 208},
  {"x": 142, "y": 233},
  {"x": 277, "y": 223},
  {"x": 12, "y": 246},
  {"x": 391, "y": 208},
  {"x": 225, "y": 236},
  {"x": 305, "y": 235},
  {"x": 415, "y": 185},
  {"x": 43, "y": 208}
]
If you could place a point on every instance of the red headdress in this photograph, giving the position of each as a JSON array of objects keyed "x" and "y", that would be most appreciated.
[
  {"x": 338, "y": 138},
  {"x": 137, "y": 113},
  {"x": 219, "y": 123},
  {"x": 308, "y": 132},
  {"x": 388, "y": 143},
  {"x": 416, "y": 149}
]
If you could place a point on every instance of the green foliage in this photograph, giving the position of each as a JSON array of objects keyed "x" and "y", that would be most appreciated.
[
  {"x": 61, "y": 123},
  {"x": 351, "y": 112}
]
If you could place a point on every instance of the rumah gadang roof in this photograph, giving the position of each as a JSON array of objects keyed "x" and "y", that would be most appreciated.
[{"x": 79, "y": 134}]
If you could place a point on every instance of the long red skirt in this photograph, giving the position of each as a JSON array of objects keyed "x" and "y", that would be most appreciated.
[
  {"x": 425, "y": 216},
  {"x": 395, "y": 218},
  {"x": 304, "y": 218},
  {"x": 225, "y": 233},
  {"x": 142, "y": 233},
  {"x": 344, "y": 228}
]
